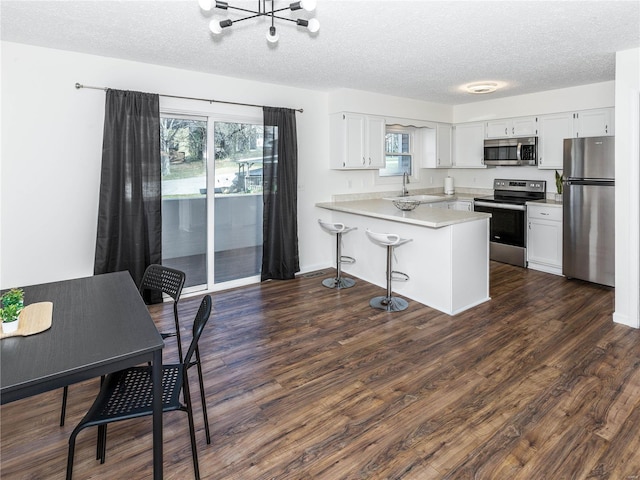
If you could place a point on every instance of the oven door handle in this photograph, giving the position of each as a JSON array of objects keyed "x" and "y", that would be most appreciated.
[{"x": 504, "y": 206}]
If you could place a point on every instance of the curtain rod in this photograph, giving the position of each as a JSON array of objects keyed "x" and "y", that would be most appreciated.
[{"x": 79, "y": 86}]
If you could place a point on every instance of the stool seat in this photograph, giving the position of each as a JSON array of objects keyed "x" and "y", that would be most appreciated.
[
  {"x": 389, "y": 241},
  {"x": 338, "y": 229}
]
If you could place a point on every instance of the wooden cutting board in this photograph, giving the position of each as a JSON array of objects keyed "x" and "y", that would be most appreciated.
[{"x": 34, "y": 318}]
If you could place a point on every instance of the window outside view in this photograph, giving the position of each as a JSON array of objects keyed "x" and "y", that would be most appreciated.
[
  {"x": 238, "y": 157},
  {"x": 397, "y": 154}
]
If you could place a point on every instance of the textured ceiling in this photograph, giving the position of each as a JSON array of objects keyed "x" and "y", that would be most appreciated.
[{"x": 417, "y": 49}]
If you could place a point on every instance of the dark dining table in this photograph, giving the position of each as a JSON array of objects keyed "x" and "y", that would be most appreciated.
[{"x": 100, "y": 325}]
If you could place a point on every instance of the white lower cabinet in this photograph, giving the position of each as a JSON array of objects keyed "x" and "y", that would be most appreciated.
[
  {"x": 464, "y": 205},
  {"x": 544, "y": 238}
]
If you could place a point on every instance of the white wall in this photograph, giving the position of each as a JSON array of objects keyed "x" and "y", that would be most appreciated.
[
  {"x": 627, "y": 301},
  {"x": 596, "y": 95},
  {"x": 52, "y": 145}
]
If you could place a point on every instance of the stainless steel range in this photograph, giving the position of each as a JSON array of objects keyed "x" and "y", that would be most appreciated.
[{"x": 508, "y": 209}]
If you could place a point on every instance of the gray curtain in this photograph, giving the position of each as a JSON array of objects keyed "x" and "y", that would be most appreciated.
[
  {"x": 280, "y": 259},
  {"x": 129, "y": 233}
]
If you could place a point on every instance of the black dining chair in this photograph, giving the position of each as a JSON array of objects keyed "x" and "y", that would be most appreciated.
[
  {"x": 167, "y": 281},
  {"x": 128, "y": 394},
  {"x": 170, "y": 281},
  {"x": 161, "y": 280}
]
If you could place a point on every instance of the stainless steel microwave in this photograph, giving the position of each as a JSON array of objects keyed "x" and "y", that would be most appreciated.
[{"x": 511, "y": 151}]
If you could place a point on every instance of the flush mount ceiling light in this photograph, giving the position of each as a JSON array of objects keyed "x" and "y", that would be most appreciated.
[
  {"x": 216, "y": 26},
  {"x": 481, "y": 87}
]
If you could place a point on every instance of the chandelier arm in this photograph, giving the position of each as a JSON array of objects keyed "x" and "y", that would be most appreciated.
[
  {"x": 283, "y": 18},
  {"x": 247, "y": 18},
  {"x": 259, "y": 12}
]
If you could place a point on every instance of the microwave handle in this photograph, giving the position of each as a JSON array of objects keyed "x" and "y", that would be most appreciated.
[{"x": 519, "y": 152}]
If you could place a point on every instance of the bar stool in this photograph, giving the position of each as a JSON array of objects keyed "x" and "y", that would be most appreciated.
[
  {"x": 339, "y": 281},
  {"x": 389, "y": 302}
]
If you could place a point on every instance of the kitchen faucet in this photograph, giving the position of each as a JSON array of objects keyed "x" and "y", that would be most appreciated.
[{"x": 405, "y": 180}]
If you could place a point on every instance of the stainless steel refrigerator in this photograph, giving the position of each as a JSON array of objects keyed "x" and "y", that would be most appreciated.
[{"x": 588, "y": 210}]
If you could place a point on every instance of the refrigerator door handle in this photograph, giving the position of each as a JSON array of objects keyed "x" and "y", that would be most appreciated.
[{"x": 604, "y": 182}]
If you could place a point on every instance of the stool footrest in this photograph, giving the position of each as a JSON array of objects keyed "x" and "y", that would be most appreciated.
[
  {"x": 347, "y": 260},
  {"x": 399, "y": 276}
]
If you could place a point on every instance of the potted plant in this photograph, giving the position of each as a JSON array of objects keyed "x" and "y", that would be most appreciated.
[
  {"x": 12, "y": 303},
  {"x": 559, "y": 179}
]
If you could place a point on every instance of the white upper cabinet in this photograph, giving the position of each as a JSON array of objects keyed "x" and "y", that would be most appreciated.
[
  {"x": 554, "y": 128},
  {"x": 436, "y": 146},
  {"x": 356, "y": 141},
  {"x": 593, "y": 123},
  {"x": 512, "y": 127},
  {"x": 468, "y": 145}
]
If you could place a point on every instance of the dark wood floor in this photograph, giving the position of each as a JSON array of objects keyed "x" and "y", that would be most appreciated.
[{"x": 304, "y": 382}]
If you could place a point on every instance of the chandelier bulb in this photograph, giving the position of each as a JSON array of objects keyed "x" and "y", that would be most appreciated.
[
  {"x": 272, "y": 35},
  {"x": 308, "y": 5},
  {"x": 215, "y": 27},
  {"x": 205, "y": 5},
  {"x": 314, "y": 25}
]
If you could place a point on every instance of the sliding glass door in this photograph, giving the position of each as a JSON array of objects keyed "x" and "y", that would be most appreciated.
[
  {"x": 184, "y": 196},
  {"x": 238, "y": 200},
  {"x": 211, "y": 198}
]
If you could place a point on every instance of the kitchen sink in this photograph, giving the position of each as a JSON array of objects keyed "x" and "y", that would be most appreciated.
[{"x": 419, "y": 198}]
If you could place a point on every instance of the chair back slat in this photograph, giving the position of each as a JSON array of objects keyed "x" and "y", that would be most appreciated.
[
  {"x": 198, "y": 326},
  {"x": 164, "y": 279}
]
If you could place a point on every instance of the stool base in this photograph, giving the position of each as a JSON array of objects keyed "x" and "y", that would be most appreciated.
[
  {"x": 338, "y": 282},
  {"x": 390, "y": 304}
]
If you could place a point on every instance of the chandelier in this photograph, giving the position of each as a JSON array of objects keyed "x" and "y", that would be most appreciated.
[{"x": 216, "y": 26}]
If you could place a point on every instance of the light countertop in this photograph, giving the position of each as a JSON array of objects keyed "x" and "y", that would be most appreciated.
[{"x": 423, "y": 215}]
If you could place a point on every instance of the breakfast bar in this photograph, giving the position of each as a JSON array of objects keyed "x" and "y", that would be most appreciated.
[{"x": 447, "y": 260}]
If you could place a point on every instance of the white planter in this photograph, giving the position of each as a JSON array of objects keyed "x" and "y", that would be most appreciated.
[{"x": 10, "y": 327}]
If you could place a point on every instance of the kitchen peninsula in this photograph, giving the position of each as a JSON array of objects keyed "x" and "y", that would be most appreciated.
[{"x": 447, "y": 260}]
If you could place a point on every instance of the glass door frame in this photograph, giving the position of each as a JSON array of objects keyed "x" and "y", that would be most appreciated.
[{"x": 212, "y": 116}]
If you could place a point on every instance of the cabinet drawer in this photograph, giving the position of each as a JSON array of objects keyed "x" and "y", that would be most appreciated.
[{"x": 545, "y": 213}]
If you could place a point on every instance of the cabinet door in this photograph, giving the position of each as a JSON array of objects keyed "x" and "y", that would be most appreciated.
[
  {"x": 468, "y": 145},
  {"x": 375, "y": 132},
  {"x": 524, "y": 126},
  {"x": 544, "y": 238},
  {"x": 553, "y": 130},
  {"x": 443, "y": 205},
  {"x": 593, "y": 123},
  {"x": 544, "y": 243},
  {"x": 463, "y": 205},
  {"x": 355, "y": 138},
  {"x": 443, "y": 149},
  {"x": 435, "y": 146},
  {"x": 498, "y": 129},
  {"x": 512, "y": 127}
]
